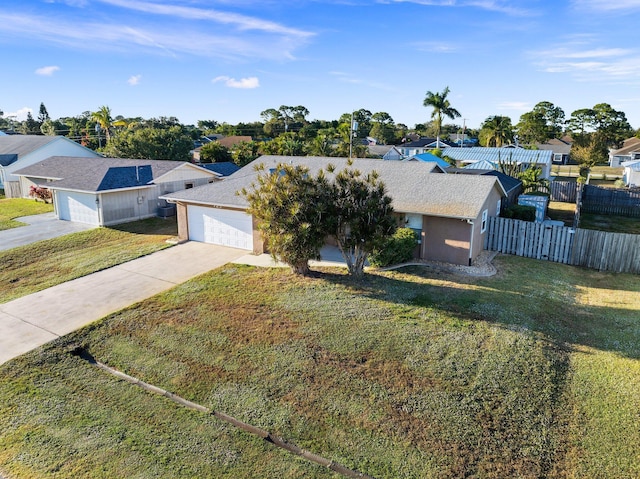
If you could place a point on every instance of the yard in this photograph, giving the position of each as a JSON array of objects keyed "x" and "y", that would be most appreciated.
[
  {"x": 40, "y": 265},
  {"x": 416, "y": 373},
  {"x": 14, "y": 208}
]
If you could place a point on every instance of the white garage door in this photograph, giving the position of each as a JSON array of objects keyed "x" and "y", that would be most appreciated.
[
  {"x": 222, "y": 227},
  {"x": 77, "y": 207}
]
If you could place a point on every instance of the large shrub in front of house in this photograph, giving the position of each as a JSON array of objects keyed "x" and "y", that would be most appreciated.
[
  {"x": 520, "y": 212},
  {"x": 397, "y": 249}
]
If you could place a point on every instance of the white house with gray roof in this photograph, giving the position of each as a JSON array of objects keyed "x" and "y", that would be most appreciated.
[
  {"x": 20, "y": 151},
  {"x": 108, "y": 191},
  {"x": 449, "y": 212}
]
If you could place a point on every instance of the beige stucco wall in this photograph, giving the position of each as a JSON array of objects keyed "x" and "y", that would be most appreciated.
[
  {"x": 445, "y": 239},
  {"x": 183, "y": 224}
]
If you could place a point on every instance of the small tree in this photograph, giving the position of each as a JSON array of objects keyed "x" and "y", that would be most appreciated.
[
  {"x": 361, "y": 215},
  {"x": 214, "y": 152},
  {"x": 290, "y": 208}
]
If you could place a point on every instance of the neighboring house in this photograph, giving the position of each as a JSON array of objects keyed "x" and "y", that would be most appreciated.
[
  {"x": 423, "y": 145},
  {"x": 429, "y": 158},
  {"x": 512, "y": 186},
  {"x": 383, "y": 151},
  {"x": 631, "y": 176},
  {"x": 19, "y": 151},
  {"x": 521, "y": 156},
  {"x": 630, "y": 151},
  {"x": 393, "y": 154},
  {"x": 449, "y": 212},
  {"x": 223, "y": 168},
  {"x": 231, "y": 141},
  {"x": 561, "y": 150},
  {"x": 108, "y": 191}
]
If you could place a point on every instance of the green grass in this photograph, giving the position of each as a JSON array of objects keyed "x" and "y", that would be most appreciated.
[
  {"x": 15, "y": 207},
  {"x": 612, "y": 223},
  {"x": 409, "y": 374},
  {"x": 43, "y": 264},
  {"x": 561, "y": 211}
]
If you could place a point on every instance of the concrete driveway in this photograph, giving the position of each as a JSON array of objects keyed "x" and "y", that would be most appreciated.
[
  {"x": 39, "y": 227},
  {"x": 38, "y": 318}
]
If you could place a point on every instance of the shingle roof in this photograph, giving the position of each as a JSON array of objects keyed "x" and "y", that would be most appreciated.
[
  {"x": 225, "y": 168},
  {"x": 509, "y": 183},
  {"x": 422, "y": 142},
  {"x": 519, "y": 155},
  {"x": 98, "y": 174},
  {"x": 411, "y": 185},
  {"x": 22, "y": 145},
  {"x": 8, "y": 158},
  {"x": 630, "y": 145}
]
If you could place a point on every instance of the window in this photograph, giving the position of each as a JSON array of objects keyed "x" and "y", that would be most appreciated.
[
  {"x": 485, "y": 216},
  {"x": 499, "y": 207},
  {"x": 188, "y": 186}
]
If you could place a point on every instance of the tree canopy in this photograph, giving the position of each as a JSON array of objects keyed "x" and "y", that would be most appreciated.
[
  {"x": 441, "y": 108},
  {"x": 296, "y": 212},
  {"x": 496, "y": 131}
]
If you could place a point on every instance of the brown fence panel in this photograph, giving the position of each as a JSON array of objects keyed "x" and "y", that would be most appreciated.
[
  {"x": 601, "y": 250},
  {"x": 564, "y": 191}
]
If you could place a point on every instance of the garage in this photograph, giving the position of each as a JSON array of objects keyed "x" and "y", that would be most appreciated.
[
  {"x": 74, "y": 206},
  {"x": 220, "y": 226}
]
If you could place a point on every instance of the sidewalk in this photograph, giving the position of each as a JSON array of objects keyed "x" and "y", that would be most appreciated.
[{"x": 33, "y": 320}]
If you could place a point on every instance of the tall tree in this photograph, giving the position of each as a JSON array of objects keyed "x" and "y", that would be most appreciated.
[
  {"x": 43, "y": 114},
  {"x": 383, "y": 129},
  {"x": 543, "y": 123},
  {"x": 360, "y": 216},
  {"x": 151, "y": 144},
  {"x": 245, "y": 152},
  {"x": 441, "y": 108},
  {"x": 496, "y": 131},
  {"x": 103, "y": 118},
  {"x": 290, "y": 208}
]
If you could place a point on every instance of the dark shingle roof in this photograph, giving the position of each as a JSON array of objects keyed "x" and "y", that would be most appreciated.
[
  {"x": 225, "y": 168},
  {"x": 98, "y": 174},
  {"x": 7, "y": 159},
  {"x": 509, "y": 183},
  {"x": 412, "y": 186}
]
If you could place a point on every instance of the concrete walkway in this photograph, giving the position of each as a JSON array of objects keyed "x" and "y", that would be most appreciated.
[
  {"x": 38, "y": 318},
  {"x": 39, "y": 227}
]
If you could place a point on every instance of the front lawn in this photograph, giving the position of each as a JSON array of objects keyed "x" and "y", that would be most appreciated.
[
  {"x": 43, "y": 264},
  {"x": 416, "y": 373},
  {"x": 11, "y": 208}
]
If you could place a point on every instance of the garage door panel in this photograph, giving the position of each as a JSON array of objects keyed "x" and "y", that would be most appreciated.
[
  {"x": 221, "y": 227},
  {"x": 77, "y": 207}
]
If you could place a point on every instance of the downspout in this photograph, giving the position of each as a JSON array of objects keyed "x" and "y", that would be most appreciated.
[
  {"x": 99, "y": 208},
  {"x": 473, "y": 226}
]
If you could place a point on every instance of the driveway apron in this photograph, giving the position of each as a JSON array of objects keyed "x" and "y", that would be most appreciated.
[
  {"x": 38, "y": 227},
  {"x": 33, "y": 320}
]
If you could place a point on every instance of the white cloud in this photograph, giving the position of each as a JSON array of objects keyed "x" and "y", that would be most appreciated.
[
  {"x": 588, "y": 64},
  {"x": 20, "y": 115},
  {"x": 244, "y": 83},
  {"x": 134, "y": 80},
  {"x": 162, "y": 39},
  {"x": 240, "y": 21},
  {"x": 607, "y": 5},
  {"x": 47, "y": 71},
  {"x": 514, "y": 105},
  {"x": 500, "y": 6}
]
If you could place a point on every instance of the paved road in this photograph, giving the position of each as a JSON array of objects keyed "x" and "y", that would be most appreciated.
[
  {"x": 38, "y": 318},
  {"x": 39, "y": 227}
]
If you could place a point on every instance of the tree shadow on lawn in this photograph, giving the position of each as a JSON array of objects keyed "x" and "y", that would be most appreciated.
[{"x": 548, "y": 298}]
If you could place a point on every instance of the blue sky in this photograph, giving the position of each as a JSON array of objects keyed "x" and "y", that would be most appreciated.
[{"x": 228, "y": 60}]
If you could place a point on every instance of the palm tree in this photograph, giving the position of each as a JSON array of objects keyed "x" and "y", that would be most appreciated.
[
  {"x": 441, "y": 108},
  {"x": 496, "y": 131},
  {"x": 103, "y": 118}
]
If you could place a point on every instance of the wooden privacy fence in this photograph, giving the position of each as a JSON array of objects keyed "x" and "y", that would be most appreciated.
[
  {"x": 608, "y": 201},
  {"x": 601, "y": 250},
  {"x": 563, "y": 191},
  {"x": 531, "y": 240}
]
